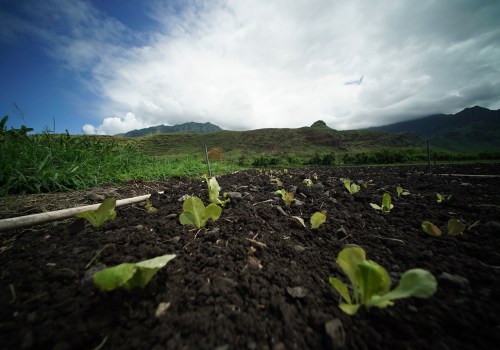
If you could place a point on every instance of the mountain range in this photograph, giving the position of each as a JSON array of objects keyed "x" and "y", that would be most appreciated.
[
  {"x": 190, "y": 128},
  {"x": 470, "y": 130},
  {"x": 474, "y": 129}
]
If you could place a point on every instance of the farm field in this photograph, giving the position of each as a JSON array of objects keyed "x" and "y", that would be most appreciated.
[{"x": 256, "y": 278}]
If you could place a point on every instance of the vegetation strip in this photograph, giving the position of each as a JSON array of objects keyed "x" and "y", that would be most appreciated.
[{"x": 42, "y": 218}]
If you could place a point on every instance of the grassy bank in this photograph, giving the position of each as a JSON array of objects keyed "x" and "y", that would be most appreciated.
[{"x": 49, "y": 163}]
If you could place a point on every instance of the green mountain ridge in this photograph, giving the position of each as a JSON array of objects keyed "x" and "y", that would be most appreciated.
[
  {"x": 304, "y": 141},
  {"x": 473, "y": 129},
  {"x": 191, "y": 127}
]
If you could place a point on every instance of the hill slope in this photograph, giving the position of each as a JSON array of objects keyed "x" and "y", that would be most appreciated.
[
  {"x": 471, "y": 130},
  {"x": 191, "y": 127},
  {"x": 300, "y": 141}
]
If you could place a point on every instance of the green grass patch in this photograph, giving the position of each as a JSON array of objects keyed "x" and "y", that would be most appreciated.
[{"x": 52, "y": 163}]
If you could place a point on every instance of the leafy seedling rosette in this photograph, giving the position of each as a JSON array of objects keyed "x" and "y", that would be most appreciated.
[{"x": 371, "y": 283}]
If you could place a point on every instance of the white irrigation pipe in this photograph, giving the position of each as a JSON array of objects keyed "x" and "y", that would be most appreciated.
[{"x": 42, "y": 218}]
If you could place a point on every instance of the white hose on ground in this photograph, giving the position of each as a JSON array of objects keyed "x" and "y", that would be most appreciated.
[{"x": 42, "y": 218}]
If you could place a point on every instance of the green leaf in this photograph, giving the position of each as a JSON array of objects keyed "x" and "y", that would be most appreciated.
[
  {"x": 130, "y": 275},
  {"x": 317, "y": 219},
  {"x": 193, "y": 212},
  {"x": 399, "y": 190},
  {"x": 375, "y": 280},
  {"x": 213, "y": 191},
  {"x": 349, "y": 260},
  {"x": 375, "y": 206},
  {"x": 308, "y": 182},
  {"x": 347, "y": 184},
  {"x": 386, "y": 202},
  {"x": 149, "y": 207},
  {"x": 354, "y": 188},
  {"x": 341, "y": 288},
  {"x": 212, "y": 211},
  {"x": 431, "y": 229},
  {"x": 440, "y": 197},
  {"x": 351, "y": 187},
  {"x": 455, "y": 227},
  {"x": 349, "y": 309},
  {"x": 105, "y": 212},
  {"x": 413, "y": 283},
  {"x": 281, "y": 192}
]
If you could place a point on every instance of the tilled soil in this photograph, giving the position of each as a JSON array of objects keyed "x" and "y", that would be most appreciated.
[{"x": 256, "y": 278}]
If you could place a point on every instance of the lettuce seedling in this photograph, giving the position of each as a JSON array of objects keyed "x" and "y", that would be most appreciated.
[
  {"x": 371, "y": 283},
  {"x": 196, "y": 214},
  {"x": 317, "y": 219},
  {"x": 130, "y": 275},
  {"x": 149, "y": 207},
  {"x": 455, "y": 227},
  {"x": 308, "y": 182},
  {"x": 441, "y": 198},
  {"x": 213, "y": 192},
  {"x": 401, "y": 191},
  {"x": 351, "y": 187},
  {"x": 386, "y": 204},
  {"x": 286, "y": 196},
  {"x": 431, "y": 229},
  {"x": 106, "y": 211}
]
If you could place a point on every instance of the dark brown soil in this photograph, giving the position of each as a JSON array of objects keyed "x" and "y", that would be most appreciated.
[{"x": 234, "y": 284}]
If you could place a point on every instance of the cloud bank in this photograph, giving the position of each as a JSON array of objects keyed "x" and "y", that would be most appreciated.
[{"x": 257, "y": 64}]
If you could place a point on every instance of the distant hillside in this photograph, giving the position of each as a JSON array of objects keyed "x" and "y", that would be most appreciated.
[
  {"x": 471, "y": 130},
  {"x": 301, "y": 141},
  {"x": 190, "y": 128}
]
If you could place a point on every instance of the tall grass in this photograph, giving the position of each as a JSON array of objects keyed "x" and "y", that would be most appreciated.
[{"x": 49, "y": 163}]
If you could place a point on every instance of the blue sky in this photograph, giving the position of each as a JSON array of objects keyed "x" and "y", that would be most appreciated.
[{"x": 110, "y": 66}]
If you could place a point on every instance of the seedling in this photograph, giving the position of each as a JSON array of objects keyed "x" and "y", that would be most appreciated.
[
  {"x": 431, "y": 229},
  {"x": 278, "y": 181},
  {"x": 317, "y": 219},
  {"x": 351, "y": 187},
  {"x": 149, "y": 207},
  {"x": 130, "y": 275},
  {"x": 106, "y": 211},
  {"x": 441, "y": 198},
  {"x": 213, "y": 192},
  {"x": 386, "y": 204},
  {"x": 371, "y": 283},
  {"x": 308, "y": 182},
  {"x": 401, "y": 191},
  {"x": 196, "y": 214},
  {"x": 455, "y": 228},
  {"x": 286, "y": 196}
]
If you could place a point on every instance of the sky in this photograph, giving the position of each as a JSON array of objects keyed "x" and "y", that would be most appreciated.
[{"x": 111, "y": 66}]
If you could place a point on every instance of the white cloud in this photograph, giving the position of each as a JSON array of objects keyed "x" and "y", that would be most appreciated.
[
  {"x": 255, "y": 64},
  {"x": 115, "y": 125}
]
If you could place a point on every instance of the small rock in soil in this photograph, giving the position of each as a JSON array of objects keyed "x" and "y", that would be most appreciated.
[
  {"x": 456, "y": 280},
  {"x": 299, "y": 248},
  {"x": 161, "y": 309},
  {"x": 493, "y": 225},
  {"x": 96, "y": 197},
  {"x": 234, "y": 195},
  {"x": 335, "y": 334},
  {"x": 171, "y": 216},
  {"x": 298, "y": 203},
  {"x": 296, "y": 292},
  {"x": 184, "y": 197},
  {"x": 281, "y": 211}
]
